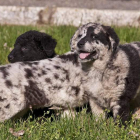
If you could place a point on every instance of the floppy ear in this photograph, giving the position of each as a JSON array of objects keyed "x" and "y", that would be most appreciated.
[
  {"x": 48, "y": 44},
  {"x": 113, "y": 37}
]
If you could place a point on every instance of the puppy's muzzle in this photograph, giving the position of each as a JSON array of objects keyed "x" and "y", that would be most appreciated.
[
  {"x": 10, "y": 58},
  {"x": 81, "y": 43}
]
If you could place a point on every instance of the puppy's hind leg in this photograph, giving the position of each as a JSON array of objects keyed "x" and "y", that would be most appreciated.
[
  {"x": 69, "y": 113},
  {"x": 12, "y": 110}
]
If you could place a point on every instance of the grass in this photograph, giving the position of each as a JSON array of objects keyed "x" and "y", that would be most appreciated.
[
  {"x": 84, "y": 126},
  {"x": 8, "y": 35},
  {"x": 62, "y": 34}
]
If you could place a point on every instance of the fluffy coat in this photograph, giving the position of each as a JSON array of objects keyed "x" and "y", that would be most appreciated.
[
  {"x": 112, "y": 70},
  {"x": 45, "y": 83}
]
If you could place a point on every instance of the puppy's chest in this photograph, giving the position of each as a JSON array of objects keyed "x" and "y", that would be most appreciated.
[{"x": 104, "y": 88}]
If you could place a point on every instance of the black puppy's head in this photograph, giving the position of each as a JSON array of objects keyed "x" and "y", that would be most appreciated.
[
  {"x": 31, "y": 46},
  {"x": 92, "y": 41}
]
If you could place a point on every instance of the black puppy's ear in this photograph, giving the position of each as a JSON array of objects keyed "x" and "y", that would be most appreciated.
[
  {"x": 113, "y": 37},
  {"x": 48, "y": 44}
]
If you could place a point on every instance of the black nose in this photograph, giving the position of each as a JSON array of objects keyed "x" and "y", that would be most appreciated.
[
  {"x": 10, "y": 57},
  {"x": 81, "y": 44}
]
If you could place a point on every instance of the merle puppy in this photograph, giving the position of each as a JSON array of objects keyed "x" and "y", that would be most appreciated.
[
  {"x": 112, "y": 70},
  {"x": 45, "y": 83},
  {"x": 31, "y": 46}
]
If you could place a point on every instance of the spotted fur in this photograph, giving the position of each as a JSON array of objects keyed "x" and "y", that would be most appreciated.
[
  {"x": 45, "y": 83},
  {"x": 112, "y": 70}
]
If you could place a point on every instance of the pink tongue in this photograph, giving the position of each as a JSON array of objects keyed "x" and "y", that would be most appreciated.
[{"x": 83, "y": 55}]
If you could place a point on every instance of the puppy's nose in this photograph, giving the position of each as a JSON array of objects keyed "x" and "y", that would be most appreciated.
[
  {"x": 81, "y": 44},
  {"x": 10, "y": 57}
]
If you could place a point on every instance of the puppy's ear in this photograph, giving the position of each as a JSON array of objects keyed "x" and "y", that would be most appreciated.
[
  {"x": 113, "y": 37},
  {"x": 71, "y": 44},
  {"x": 73, "y": 40},
  {"x": 48, "y": 44}
]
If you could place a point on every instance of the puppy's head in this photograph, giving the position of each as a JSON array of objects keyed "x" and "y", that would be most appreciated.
[
  {"x": 31, "y": 46},
  {"x": 93, "y": 41}
]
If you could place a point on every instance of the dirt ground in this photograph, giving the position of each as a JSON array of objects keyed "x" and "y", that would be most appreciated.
[{"x": 90, "y": 4}]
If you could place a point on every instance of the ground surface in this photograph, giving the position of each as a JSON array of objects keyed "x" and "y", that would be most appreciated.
[{"x": 90, "y": 4}]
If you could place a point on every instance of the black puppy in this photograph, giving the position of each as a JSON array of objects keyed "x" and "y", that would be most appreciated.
[{"x": 32, "y": 46}]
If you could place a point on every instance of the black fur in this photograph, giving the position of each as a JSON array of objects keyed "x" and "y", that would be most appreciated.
[
  {"x": 110, "y": 32},
  {"x": 29, "y": 73},
  {"x": 31, "y": 46},
  {"x": 70, "y": 57},
  {"x": 8, "y": 83},
  {"x": 32, "y": 91},
  {"x": 4, "y": 71}
]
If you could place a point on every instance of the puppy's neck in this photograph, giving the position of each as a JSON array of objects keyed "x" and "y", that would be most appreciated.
[
  {"x": 86, "y": 66},
  {"x": 101, "y": 63},
  {"x": 95, "y": 65}
]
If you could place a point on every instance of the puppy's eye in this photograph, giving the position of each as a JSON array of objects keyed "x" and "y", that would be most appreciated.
[
  {"x": 24, "y": 49},
  {"x": 93, "y": 36},
  {"x": 79, "y": 36},
  {"x": 97, "y": 42}
]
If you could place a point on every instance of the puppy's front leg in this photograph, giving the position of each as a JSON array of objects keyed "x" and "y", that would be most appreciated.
[
  {"x": 69, "y": 113},
  {"x": 96, "y": 110},
  {"x": 121, "y": 109}
]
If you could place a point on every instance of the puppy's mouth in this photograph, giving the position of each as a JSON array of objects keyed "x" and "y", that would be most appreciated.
[{"x": 88, "y": 55}]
